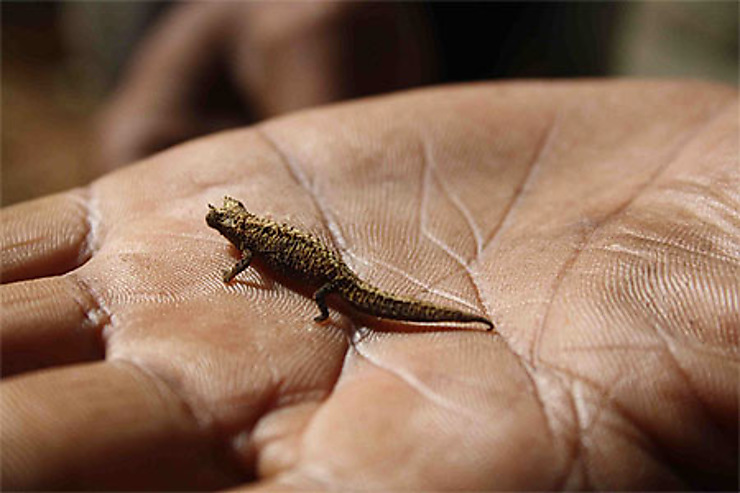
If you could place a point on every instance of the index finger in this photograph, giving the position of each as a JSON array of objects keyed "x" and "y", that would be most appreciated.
[{"x": 46, "y": 236}]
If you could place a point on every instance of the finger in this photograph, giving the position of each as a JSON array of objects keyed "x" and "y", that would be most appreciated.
[
  {"x": 156, "y": 106},
  {"x": 44, "y": 237},
  {"x": 271, "y": 485},
  {"x": 329, "y": 44},
  {"x": 104, "y": 426},
  {"x": 46, "y": 322}
]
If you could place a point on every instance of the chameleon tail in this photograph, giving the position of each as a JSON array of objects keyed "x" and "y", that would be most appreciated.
[{"x": 372, "y": 301}]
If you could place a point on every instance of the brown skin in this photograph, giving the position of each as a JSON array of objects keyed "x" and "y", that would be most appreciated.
[
  {"x": 596, "y": 222},
  {"x": 206, "y": 66}
]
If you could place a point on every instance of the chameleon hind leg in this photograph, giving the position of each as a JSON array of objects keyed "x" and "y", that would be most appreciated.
[{"x": 320, "y": 297}]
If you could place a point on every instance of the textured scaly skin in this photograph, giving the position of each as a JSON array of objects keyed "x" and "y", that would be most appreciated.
[{"x": 299, "y": 254}]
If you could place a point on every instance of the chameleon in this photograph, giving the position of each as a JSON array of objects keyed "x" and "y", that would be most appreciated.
[{"x": 299, "y": 254}]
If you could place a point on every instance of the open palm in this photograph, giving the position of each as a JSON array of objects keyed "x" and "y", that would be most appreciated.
[{"x": 595, "y": 223}]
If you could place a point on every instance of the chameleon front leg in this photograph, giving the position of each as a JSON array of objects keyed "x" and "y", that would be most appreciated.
[
  {"x": 240, "y": 266},
  {"x": 320, "y": 297}
]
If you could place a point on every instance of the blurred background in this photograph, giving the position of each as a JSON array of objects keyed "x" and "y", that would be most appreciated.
[{"x": 90, "y": 86}]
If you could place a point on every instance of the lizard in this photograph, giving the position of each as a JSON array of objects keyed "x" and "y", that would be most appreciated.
[{"x": 297, "y": 253}]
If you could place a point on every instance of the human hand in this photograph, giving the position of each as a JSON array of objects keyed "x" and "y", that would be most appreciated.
[
  {"x": 595, "y": 223},
  {"x": 214, "y": 65}
]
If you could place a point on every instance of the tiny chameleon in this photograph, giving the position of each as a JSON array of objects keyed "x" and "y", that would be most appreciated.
[{"x": 300, "y": 254}]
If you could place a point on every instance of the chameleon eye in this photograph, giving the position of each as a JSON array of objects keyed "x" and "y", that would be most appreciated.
[{"x": 232, "y": 202}]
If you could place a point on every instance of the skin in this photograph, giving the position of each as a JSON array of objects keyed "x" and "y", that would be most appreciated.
[
  {"x": 596, "y": 223},
  {"x": 207, "y": 66}
]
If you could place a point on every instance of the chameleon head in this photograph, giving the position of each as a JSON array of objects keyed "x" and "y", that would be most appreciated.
[
  {"x": 227, "y": 218},
  {"x": 235, "y": 222}
]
